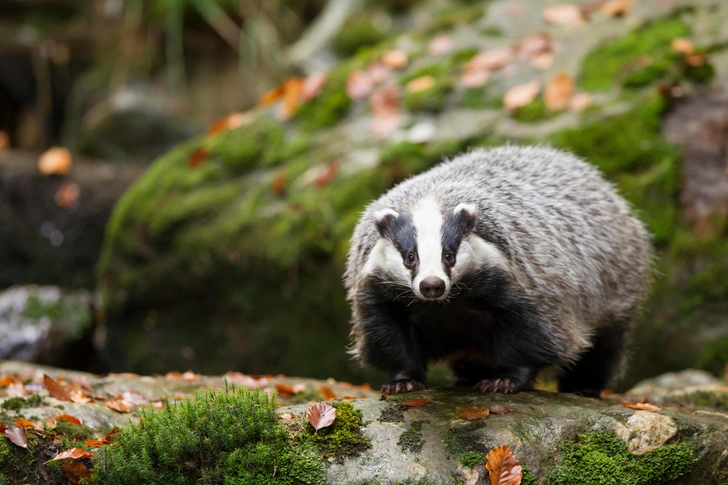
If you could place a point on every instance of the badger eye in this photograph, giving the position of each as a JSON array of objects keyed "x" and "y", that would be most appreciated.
[
  {"x": 409, "y": 260},
  {"x": 449, "y": 258}
]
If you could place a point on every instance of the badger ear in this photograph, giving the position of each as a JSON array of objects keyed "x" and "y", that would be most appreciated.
[
  {"x": 465, "y": 217},
  {"x": 384, "y": 220}
]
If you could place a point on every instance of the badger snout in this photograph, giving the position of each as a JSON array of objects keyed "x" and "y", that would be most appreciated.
[{"x": 432, "y": 287}]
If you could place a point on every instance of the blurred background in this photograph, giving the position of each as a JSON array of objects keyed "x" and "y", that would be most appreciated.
[{"x": 179, "y": 179}]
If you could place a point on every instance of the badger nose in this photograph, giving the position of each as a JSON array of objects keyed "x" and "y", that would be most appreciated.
[{"x": 432, "y": 287}]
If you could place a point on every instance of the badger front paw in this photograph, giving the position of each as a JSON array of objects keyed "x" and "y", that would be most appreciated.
[
  {"x": 399, "y": 386},
  {"x": 506, "y": 385}
]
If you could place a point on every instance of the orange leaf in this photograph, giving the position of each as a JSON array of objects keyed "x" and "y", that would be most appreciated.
[
  {"x": 328, "y": 393},
  {"x": 75, "y": 471},
  {"x": 533, "y": 45},
  {"x": 284, "y": 389},
  {"x": 229, "y": 122},
  {"x": 327, "y": 175},
  {"x": 79, "y": 397},
  {"x": 17, "y": 436},
  {"x": 348, "y": 398},
  {"x": 24, "y": 423},
  {"x": 198, "y": 156},
  {"x": 292, "y": 97},
  {"x": 94, "y": 443},
  {"x": 565, "y": 14},
  {"x": 273, "y": 95},
  {"x": 395, "y": 59},
  {"x": 491, "y": 59},
  {"x": 55, "y": 161},
  {"x": 542, "y": 61},
  {"x": 472, "y": 413},
  {"x": 358, "y": 85},
  {"x": 642, "y": 406},
  {"x": 415, "y": 403},
  {"x": 67, "y": 195},
  {"x": 4, "y": 141},
  {"x": 16, "y": 389},
  {"x": 321, "y": 415},
  {"x": 6, "y": 381},
  {"x": 190, "y": 376},
  {"x": 614, "y": 8},
  {"x": 313, "y": 85},
  {"x": 422, "y": 83},
  {"x": 68, "y": 418},
  {"x": 521, "y": 95},
  {"x": 682, "y": 46},
  {"x": 503, "y": 467},
  {"x": 499, "y": 410},
  {"x": 55, "y": 389},
  {"x": 73, "y": 453},
  {"x": 119, "y": 405},
  {"x": 559, "y": 91},
  {"x": 279, "y": 183}
]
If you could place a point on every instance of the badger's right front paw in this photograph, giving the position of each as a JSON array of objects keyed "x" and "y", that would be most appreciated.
[{"x": 398, "y": 386}]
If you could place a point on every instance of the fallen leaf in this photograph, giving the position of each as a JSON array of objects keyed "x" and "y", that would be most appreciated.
[
  {"x": 313, "y": 85},
  {"x": 474, "y": 78},
  {"x": 521, "y": 95},
  {"x": 566, "y": 14},
  {"x": 383, "y": 397},
  {"x": 7, "y": 380},
  {"x": 499, "y": 410},
  {"x": 422, "y": 83},
  {"x": 229, "y": 122},
  {"x": 695, "y": 60},
  {"x": 272, "y": 96},
  {"x": 642, "y": 406},
  {"x": 17, "y": 435},
  {"x": 415, "y": 403},
  {"x": 3, "y": 427},
  {"x": 68, "y": 418},
  {"x": 559, "y": 91},
  {"x": 300, "y": 387},
  {"x": 94, "y": 443},
  {"x": 491, "y": 59},
  {"x": 4, "y": 141},
  {"x": 292, "y": 97},
  {"x": 440, "y": 45},
  {"x": 395, "y": 59},
  {"x": 24, "y": 423},
  {"x": 55, "y": 389},
  {"x": 349, "y": 398},
  {"x": 67, "y": 195},
  {"x": 616, "y": 8},
  {"x": 73, "y": 453},
  {"x": 503, "y": 467},
  {"x": 198, "y": 156},
  {"x": 378, "y": 72},
  {"x": 580, "y": 102},
  {"x": 119, "y": 405},
  {"x": 533, "y": 45},
  {"x": 328, "y": 393},
  {"x": 359, "y": 85},
  {"x": 321, "y": 415},
  {"x": 190, "y": 376},
  {"x": 682, "y": 46},
  {"x": 472, "y": 413},
  {"x": 327, "y": 175},
  {"x": 55, "y": 161},
  {"x": 75, "y": 471},
  {"x": 542, "y": 61},
  {"x": 287, "y": 416},
  {"x": 384, "y": 104},
  {"x": 79, "y": 397},
  {"x": 16, "y": 389},
  {"x": 279, "y": 183},
  {"x": 284, "y": 389}
]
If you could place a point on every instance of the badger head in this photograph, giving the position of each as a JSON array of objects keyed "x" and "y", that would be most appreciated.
[{"x": 429, "y": 249}]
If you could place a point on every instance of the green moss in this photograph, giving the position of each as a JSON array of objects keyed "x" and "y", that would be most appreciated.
[
  {"x": 471, "y": 458},
  {"x": 637, "y": 59},
  {"x": 453, "y": 16},
  {"x": 16, "y": 403},
  {"x": 411, "y": 438},
  {"x": 528, "y": 477},
  {"x": 358, "y": 32},
  {"x": 70, "y": 313},
  {"x": 326, "y": 110},
  {"x": 395, "y": 6},
  {"x": 344, "y": 437},
  {"x": 20, "y": 465},
  {"x": 259, "y": 144},
  {"x": 232, "y": 437},
  {"x": 73, "y": 432},
  {"x": 534, "y": 111},
  {"x": 405, "y": 159},
  {"x": 714, "y": 357},
  {"x": 433, "y": 99},
  {"x": 465, "y": 438},
  {"x": 602, "y": 458},
  {"x": 393, "y": 413}
]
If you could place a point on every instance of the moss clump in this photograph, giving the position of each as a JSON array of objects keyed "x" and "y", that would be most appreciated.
[
  {"x": 602, "y": 458},
  {"x": 450, "y": 17},
  {"x": 394, "y": 413},
  {"x": 434, "y": 98},
  {"x": 528, "y": 477},
  {"x": 16, "y": 403},
  {"x": 471, "y": 458},
  {"x": 534, "y": 111},
  {"x": 637, "y": 59},
  {"x": 18, "y": 465},
  {"x": 465, "y": 438},
  {"x": 260, "y": 144},
  {"x": 344, "y": 437},
  {"x": 405, "y": 159},
  {"x": 479, "y": 98},
  {"x": 411, "y": 439},
  {"x": 356, "y": 33},
  {"x": 231, "y": 436}
]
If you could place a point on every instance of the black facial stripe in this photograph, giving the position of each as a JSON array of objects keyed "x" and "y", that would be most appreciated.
[
  {"x": 403, "y": 234},
  {"x": 454, "y": 228}
]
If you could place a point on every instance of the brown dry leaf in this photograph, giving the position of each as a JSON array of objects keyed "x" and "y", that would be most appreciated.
[
  {"x": 521, "y": 95},
  {"x": 384, "y": 104},
  {"x": 292, "y": 98},
  {"x": 566, "y": 14},
  {"x": 378, "y": 71},
  {"x": 473, "y": 413},
  {"x": 491, "y": 59},
  {"x": 542, "y": 61},
  {"x": 4, "y": 141},
  {"x": 119, "y": 405},
  {"x": 642, "y": 406},
  {"x": 229, "y": 122},
  {"x": 7, "y": 380},
  {"x": 349, "y": 398},
  {"x": 327, "y": 175},
  {"x": 55, "y": 161},
  {"x": 359, "y": 85},
  {"x": 16, "y": 389},
  {"x": 300, "y": 387},
  {"x": 279, "y": 183},
  {"x": 321, "y": 415},
  {"x": 287, "y": 416},
  {"x": 580, "y": 101},
  {"x": 94, "y": 443},
  {"x": 67, "y": 195},
  {"x": 73, "y": 453},
  {"x": 175, "y": 374},
  {"x": 616, "y": 8},
  {"x": 75, "y": 471},
  {"x": 3, "y": 427},
  {"x": 190, "y": 376},
  {"x": 442, "y": 44},
  {"x": 198, "y": 156},
  {"x": 313, "y": 85},
  {"x": 24, "y": 423},
  {"x": 682, "y": 46},
  {"x": 473, "y": 78},
  {"x": 532, "y": 45},
  {"x": 273, "y": 95},
  {"x": 695, "y": 60},
  {"x": 559, "y": 91},
  {"x": 240, "y": 379},
  {"x": 328, "y": 393},
  {"x": 395, "y": 59},
  {"x": 79, "y": 397},
  {"x": 68, "y": 418},
  {"x": 17, "y": 435},
  {"x": 284, "y": 389},
  {"x": 499, "y": 410},
  {"x": 422, "y": 83},
  {"x": 503, "y": 467},
  {"x": 415, "y": 403},
  {"x": 55, "y": 389}
]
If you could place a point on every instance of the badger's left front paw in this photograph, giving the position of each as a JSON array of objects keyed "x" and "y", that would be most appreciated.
[{"x": 398, "y": 386}]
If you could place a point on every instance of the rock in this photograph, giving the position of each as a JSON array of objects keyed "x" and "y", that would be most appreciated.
[
  {"x": 247, "y": 231},
  {"x": 46, "y": 325},
  {"x": 687, "y": 389},
  {"x": 51, "y": 227},
  {"x": 557, "y": 438}
]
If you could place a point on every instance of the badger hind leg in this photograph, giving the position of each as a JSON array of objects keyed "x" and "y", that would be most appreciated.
[{"x": 598, "y": 365}]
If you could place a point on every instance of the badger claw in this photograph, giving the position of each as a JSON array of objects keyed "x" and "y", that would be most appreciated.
[
  {"x": 506, "y": 385},
  {"x": 402, "y": 385}
]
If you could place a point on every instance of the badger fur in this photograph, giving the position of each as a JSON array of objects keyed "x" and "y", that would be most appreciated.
[{"x": 503, "y": 262}]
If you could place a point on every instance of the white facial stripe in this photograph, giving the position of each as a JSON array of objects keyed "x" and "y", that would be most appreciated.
[
  {"x": 427, "y": 220},
  {"x": 385, "y": 257},
  {"x": 475, "y": 253}
]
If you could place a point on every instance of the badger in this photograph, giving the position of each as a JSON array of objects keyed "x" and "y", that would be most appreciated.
[{"x": 502, "y": 262}]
